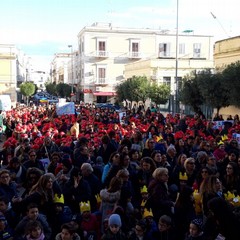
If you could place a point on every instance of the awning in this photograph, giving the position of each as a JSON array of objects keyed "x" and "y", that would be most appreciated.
[{"x": 104, "y": 94}]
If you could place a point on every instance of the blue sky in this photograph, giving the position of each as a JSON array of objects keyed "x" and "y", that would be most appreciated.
[{"x": 44, "y": 27}]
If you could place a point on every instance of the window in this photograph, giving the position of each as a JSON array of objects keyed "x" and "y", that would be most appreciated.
[
  {"x": 101, "y": 48},
  {"x": 182, "y": 48},
  {"x": 164, "y": 50},
  {"x": 81, "y": 46},
  {"x": 134, "y": 48},
  {"x": 196, "y": 50},
  {"x": 167, "y": 81},
  {"x": 101, "y": 75}
]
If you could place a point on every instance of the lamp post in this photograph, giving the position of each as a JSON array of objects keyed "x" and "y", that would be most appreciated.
[
  {"x": 70, "y": 46},
  {"x": 176, "y": 105}
]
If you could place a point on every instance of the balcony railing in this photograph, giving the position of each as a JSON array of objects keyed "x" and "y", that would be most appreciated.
[
  {"x": 101, "y": 81},
  {"x": 102, "y": 54},
  {"x": 134, "y": 55}
]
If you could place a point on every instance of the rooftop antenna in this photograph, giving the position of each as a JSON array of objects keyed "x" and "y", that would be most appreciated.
[{"x": 214, "y": 16}]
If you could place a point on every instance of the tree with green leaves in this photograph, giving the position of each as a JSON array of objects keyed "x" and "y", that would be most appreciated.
[
  {"x": 139, "y": 88},
  {"x": 142, "y": 89},
  {"x": 51, "y": 88},
  {"x": 159, "y": 94},
  {"x": 63, "y": 90},
  {"x": 190, "y": 93},
  {"x": 133, "y": 89},
  {"x": 213, "y": 89},
  {"x": 121, "y": 90},
  {"x": 27, "y": 89},
  {"x": 231, "y": 78}
]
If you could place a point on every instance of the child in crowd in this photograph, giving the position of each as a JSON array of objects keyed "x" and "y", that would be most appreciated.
[
  {"x": 195, "y": 230},
  {"x": 62, "y": 214},
  {"x": 68, "y": 232},
  {"x": 165, "y": 229},
  {"x": 114, "y": 229},
  {"x": 5, "y": 231},
  {"x": 139, "y": 232},
  {"x": 34, "y": 231},
  {"x": 151, "y": 225},
  {"x": 89, "y": 222},
  {"x": 6, "y": 209},
  {"x": 32, "y": 214}
]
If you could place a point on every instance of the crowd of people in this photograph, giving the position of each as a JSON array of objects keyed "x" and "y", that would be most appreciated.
[{"x": 101, "y": 174}]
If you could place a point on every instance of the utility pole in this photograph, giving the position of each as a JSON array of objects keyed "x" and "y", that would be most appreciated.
[
  {"x": 176, "y": 105},
  {"x": 70, "y": 46}
]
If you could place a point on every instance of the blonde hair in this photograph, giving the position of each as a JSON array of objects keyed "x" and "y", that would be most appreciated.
[
  {"x": 188, "y": 160},
  {"x": 158, "y": 172}
]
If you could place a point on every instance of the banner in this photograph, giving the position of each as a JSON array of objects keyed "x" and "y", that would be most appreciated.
[
  {"x": 65, "y": 108},
  {"x": 45, "y": 162},
  {"x": 220, "y": 124},
  {"x": 5, "y": 103},
  {"x": 121, "y": 115}
]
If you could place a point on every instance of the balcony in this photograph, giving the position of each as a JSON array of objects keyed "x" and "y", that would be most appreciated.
[
  {"x": 134, "y": 55},
  {"x": 101, "y": 54},
  {"x": 166, "y": 55},
  {"x": 101, "y": 81}
]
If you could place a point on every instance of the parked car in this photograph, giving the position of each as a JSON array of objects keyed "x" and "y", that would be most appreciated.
[
  {"x": 44, "y": 96},
  {"x": 107, "y": 105}
]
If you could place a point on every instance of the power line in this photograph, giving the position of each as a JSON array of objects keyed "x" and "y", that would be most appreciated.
[{"x": 214, "y": 16}]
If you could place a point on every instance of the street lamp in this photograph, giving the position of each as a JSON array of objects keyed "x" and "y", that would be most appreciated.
[
  {"x": 70, "y": 46},
  {"x": 176, "y": 110}
]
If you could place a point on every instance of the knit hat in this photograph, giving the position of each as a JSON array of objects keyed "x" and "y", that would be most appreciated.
[
  {"x": 115, "y": 219},
  {"x": 2, "y": 218},
  {"x": 198, "y": 222}
]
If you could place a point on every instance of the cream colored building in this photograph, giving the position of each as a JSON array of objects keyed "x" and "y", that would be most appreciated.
[
  {"x": 60, "y": 72},
  {"x": 14, "y": 70},
  {"x": 227, "y": 51},
  {"x": 40, "y": 78},
  {"x": 109, "y": 55}
]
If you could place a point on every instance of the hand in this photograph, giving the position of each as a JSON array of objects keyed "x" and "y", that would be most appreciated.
[
  {"x": 76, "y": 182},
  {"x": 16, "y": 199},
  {"x": 63, "y": 177}
]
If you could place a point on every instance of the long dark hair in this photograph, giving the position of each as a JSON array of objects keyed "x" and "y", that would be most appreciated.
[{"x": 115, "y": 184}]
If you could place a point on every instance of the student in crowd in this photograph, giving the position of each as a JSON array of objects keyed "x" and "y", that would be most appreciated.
[
  {"x": 68, "y": 232},
  {"x": 114, "y": 229},
  {"x": 195, "y": 230}
]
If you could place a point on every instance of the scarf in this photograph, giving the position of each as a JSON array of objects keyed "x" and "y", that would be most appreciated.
[{"x": 41, "y": 237}]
